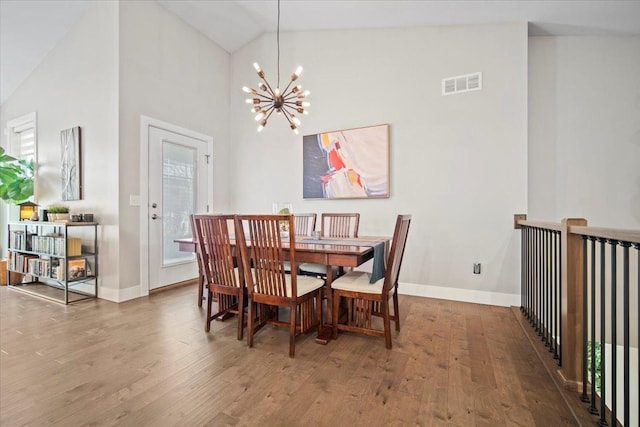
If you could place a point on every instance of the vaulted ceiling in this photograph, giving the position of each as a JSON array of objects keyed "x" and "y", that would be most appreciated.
[{"x": 30, "y": 29}]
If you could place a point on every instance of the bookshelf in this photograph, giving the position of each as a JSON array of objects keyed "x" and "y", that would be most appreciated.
[{"x": 53, "y": 260}]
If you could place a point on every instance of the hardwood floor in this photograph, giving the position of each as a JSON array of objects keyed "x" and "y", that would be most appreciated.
[{"x": 149, "y": 362}]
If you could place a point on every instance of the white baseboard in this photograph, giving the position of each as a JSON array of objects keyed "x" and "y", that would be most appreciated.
[
  {"x": 427, "y": 291},
  {"x": 119, "y": 295},
  {"x": 456, "y": 294}
]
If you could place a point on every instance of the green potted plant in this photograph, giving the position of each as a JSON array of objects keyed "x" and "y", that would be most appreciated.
[
  {"x": 58, "y": 213},
  {"x": 16, "y": 179}
]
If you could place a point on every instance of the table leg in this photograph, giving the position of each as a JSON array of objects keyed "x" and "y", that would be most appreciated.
[{"x": 326, "y": 329}]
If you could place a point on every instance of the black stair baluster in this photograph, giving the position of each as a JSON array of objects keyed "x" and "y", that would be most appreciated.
[
  {"x": 592, "y": 407},
  {"x": 585, "y": 320},
  {"x": 614, "y": 331},
  {"x": 603, "y": 326}
]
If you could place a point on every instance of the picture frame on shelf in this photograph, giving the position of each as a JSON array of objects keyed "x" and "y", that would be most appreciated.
[{"x": 77, "y": 268}]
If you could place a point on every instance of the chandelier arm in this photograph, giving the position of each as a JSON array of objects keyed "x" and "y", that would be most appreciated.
[
  {"x": 290, "y": 94},
  {"x": 265, "y": 97},
  {"x": 290, "y": 112},
  {"x": 270, "y": 110},
  {"x": 287, "y": 88},
  {"x": 270, "y": 90},
  {"x": 285, "y": 113}
]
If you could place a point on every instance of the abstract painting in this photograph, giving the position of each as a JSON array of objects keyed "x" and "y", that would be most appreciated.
[
  {"x": 345, "y": 164},
  {"x": 70, "y": 173}
]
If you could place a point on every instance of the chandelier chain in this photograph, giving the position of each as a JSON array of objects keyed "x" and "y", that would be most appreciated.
[{"x": 278, "y": 42}]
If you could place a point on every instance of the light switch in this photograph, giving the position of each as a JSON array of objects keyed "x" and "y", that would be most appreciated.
[{"x": 134, "y": 200}]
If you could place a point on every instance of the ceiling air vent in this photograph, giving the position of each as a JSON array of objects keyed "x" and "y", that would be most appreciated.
[{"x": 459, "y": 84}]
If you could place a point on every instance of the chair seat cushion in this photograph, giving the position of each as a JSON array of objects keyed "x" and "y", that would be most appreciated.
[
  {"x": 313, "y": 268},
  {"x": 287, "y": 266},
  {"x": 238, "y": 281},
  {"x": 358, "y": 281},
  {"x": 306, "y": 284}
]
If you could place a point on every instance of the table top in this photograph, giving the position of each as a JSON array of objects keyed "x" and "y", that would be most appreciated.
[
  {"x": 338, "y": 254},
  {"x": 361, "y": 245}
]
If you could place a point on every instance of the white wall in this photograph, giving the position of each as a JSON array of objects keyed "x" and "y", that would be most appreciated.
[
  {"x": 77, "y": 85},
  {"x": 584, "y": 130},
  {"x": 171, "y": 72},
  {"x": 458, "y": 163},
  {"x": 123, "y": 60}
]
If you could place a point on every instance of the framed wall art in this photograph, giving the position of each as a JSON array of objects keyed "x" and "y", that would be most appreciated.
[
  {"x": 346, "y": 164},
  {"x": 71, "y": 170}
]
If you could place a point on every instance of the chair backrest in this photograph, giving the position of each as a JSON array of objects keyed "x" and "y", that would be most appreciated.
[
  {"x": 263, "y": 253},
  {"x": 304, "y": 224},
  {"x": 215, "y": 254},
  {"x": 398, "y": 244},
  {"x": 340, "y": 225}
]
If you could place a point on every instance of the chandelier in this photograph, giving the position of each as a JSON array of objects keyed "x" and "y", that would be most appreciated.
[{"x": 287, "y": 102}]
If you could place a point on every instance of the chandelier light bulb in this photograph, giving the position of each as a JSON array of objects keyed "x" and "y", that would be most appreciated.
[
  {"x": 249, "y": 101},
  {"x": 256, "y": 66},
  {"x": 296, "y": 120},
  {"x": 306, "y": 104},
  {"x": 259, "y": 117}
]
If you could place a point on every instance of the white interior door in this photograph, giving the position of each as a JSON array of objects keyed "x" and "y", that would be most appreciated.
[{"x": 177, "y": 188}]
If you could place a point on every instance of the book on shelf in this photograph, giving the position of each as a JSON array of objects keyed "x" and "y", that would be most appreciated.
[
  {"x": 20, "y": 263},
  {"x": 20, "y": 240},
  {"x": 47, "y": 244}
]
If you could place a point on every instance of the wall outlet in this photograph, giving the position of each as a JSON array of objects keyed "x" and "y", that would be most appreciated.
[{"x": 476, "y": 268}]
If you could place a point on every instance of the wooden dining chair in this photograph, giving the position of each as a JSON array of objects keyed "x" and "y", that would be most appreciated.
[
  {"x": 264, "y": 249},
  {"x": 304, "y": 224},
  {"x": 216, "y": 261},
  {"x": 201, "y": 296},
  {"x": 333, "y": 225},
  {"x": 366, "y": 300},
  {"x": 337, "y": 225}
]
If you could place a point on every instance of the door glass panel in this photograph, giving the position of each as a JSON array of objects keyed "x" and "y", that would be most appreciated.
[{"x": 179, "y": 173}]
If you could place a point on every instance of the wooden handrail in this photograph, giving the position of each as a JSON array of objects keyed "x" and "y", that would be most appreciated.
[
  {"x": 541, "y": 224},
  {"x": 632, "y": 236}
]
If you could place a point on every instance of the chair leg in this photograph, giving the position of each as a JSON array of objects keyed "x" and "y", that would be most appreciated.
[
  {"x": 292, "y": 331},
  {"x": 396, "y": 313},
  {"x": 387, "y": 323},
  {"x": 250, "y": 323},
  {"x": 240, "y": 315},
  {"x": 319, "y": 311},
  {"x": 200, "y": 290},
  {"x": 207, "y": 324},
  {"x": 334, "y": 309}
]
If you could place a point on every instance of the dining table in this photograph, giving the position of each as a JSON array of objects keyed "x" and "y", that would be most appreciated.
[{"x": 335, "y": 253}]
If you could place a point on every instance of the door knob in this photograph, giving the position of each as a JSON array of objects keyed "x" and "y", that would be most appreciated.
[{"x": 154, "y": 216}]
